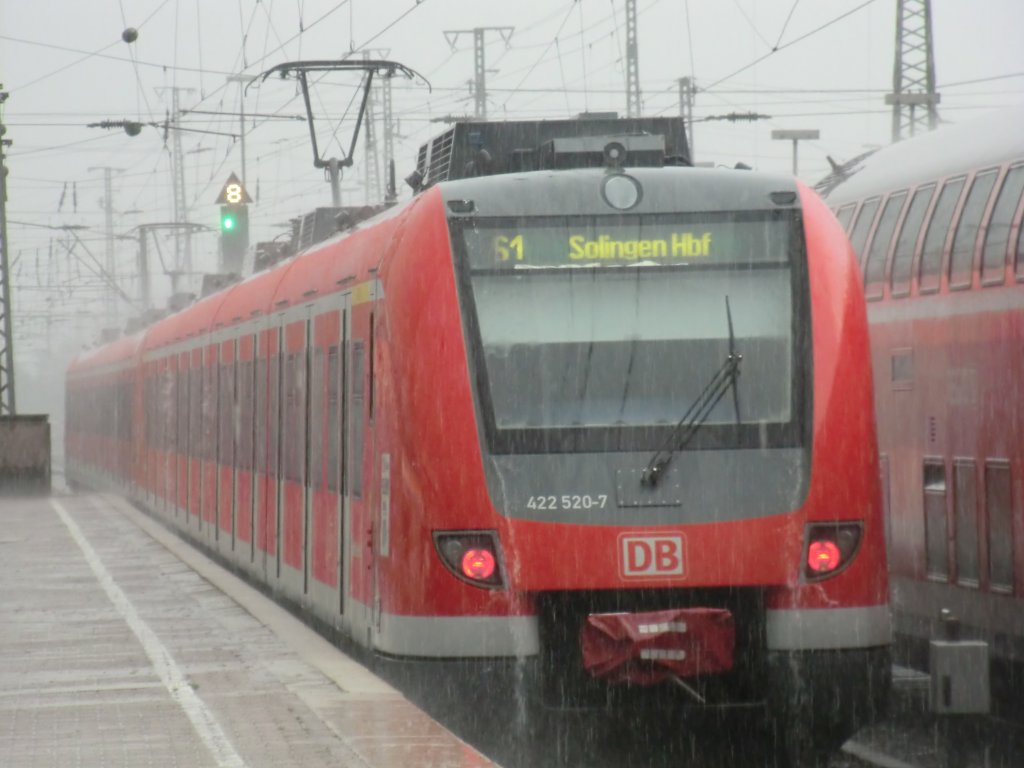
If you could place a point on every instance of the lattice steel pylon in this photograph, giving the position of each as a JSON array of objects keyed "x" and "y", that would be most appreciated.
[
  {"x": 633, "y": 107},
  {"x": 479, "y": 66},
  {"x": 913, "y": 99},
  {"x": 8, "y": 407}
]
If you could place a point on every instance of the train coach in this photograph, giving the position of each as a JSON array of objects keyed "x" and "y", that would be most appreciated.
[
  {"x": 936, "y": 222},
  {"x": 576, "y": 405}
]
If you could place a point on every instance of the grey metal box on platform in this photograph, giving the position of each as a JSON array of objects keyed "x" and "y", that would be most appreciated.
[{"x": 959, "y": 677}]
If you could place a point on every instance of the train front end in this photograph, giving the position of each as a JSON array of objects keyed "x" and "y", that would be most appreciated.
[{"x": 652, "y": 464}]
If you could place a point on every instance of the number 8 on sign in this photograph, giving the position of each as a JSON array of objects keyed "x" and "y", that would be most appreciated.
[{"x": 233, "y": 193}]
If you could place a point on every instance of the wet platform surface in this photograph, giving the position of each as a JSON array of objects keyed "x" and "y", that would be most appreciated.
[{"x": 120, "y": 649}]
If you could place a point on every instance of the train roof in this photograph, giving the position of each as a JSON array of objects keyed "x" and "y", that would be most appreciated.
[
  {"x": 977, "y": 143},
  {"x": 110, "y": 354},
  {"x": 664, "y": 190}
]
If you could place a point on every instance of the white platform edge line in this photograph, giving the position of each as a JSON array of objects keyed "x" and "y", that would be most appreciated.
[
  {"x": 873, "y": 756},
  {"x": 348, "y": 674},
  {"x": 202, "y": 718}
]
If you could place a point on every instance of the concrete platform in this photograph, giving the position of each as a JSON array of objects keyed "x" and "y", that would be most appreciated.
[{"x": 122, "y": 646}]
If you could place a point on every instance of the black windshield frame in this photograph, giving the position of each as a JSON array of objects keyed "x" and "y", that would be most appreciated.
[{"x": 794, "y": 433}]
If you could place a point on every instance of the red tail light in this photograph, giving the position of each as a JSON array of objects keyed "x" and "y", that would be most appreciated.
[
  {"x": 472, "y": 556},
  {"x": 830, "y": 548},
  {"x": 478, "y": 564}
]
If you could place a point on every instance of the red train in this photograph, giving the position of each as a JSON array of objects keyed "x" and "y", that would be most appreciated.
[
  {"x": 615, "y": 423},
  {"x": 937, "y": 223}
]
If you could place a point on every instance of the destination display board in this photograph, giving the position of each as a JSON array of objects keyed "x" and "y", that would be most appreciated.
[{"x": 605, "y": 242}]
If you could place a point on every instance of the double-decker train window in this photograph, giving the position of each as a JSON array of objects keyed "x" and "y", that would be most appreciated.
[
  {"x": 935, "y": 237},
  {"x": 997, "y": 234},
  {"x": 862, "y": 227},
  {"x": 965, "y": 501},
  {"x": 845, "y": 214},
  {"x": 998, "y": 502},
  {"x": 962, "y": 256},
  {"x": 874, "y": 264},
  {"x": 936, "y": 552},
  {"x": 906, "y": 243}
]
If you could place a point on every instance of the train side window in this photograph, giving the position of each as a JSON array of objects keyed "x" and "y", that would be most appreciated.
[
  {"x": 171, "y": 410},
  {"x": 997, "y": 234},
  {"x": 275, "y": 412},
  {"x": 935, "y": 237},
  {"x": 936, "y": 553},
  {"x": 356, "y": 420},
  {"x": 333, "y": 419},
  {"x": 861, "y": 228},
  {"x": 245, "y": 416},
  {"x": 183, "y": 393},
  {"x": 874, "y": 264},
  {"x": 195, "y": 402},
  {"x": 226, "y": 409},
  {"x": 260, "y": 417},
  {"x": 906, "y": 243},
  {"x": 845, "y": 214},
  {"x": 316, "y": 417},
  {"x": 291, "y": 426},
  {"x": 998, "y": 502},
  {"x": 965, "y": 532},
  {"x": 962, "y": 257},
  {"x": 210, "y": 383}
]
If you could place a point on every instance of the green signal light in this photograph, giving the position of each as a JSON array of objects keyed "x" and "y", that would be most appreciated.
[{"x": 228, "y": 223}]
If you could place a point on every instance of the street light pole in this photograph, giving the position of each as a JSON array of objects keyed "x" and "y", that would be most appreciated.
[
  {"x": 796, "y": 136},
  {"x": 242, "y": 80}
]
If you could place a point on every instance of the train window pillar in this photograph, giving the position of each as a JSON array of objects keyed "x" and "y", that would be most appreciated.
[
  {"x": 937, "y": 234},
  {"x": 965, "y": 532},
  {"x": 936, "y": 542},
  {"x": 962, "y": 256},
  {"x": 997, "y": 234},
  {"x": 998, "y": 503}
]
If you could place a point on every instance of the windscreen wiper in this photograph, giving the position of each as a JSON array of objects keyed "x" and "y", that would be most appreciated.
[{"x": 698, "y": 412}]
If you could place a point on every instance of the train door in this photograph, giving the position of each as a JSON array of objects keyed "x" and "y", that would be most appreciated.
[
  {"x": 362, "y": 572},
  {"x": 227, "y": 416},
  {"x": 268, "y": 389},
  {"x": 184, "y": 425},
  {"x": 293, "y": 560},
  {"x": 245, "y": 464},
  {"x": 338, "y": 453},
  {"x": 326, "y": 540}
]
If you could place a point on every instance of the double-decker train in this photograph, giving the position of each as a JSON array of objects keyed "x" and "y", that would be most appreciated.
[
  {"x": 611, "y": 417},
  {"x": 936, "y": 222}
]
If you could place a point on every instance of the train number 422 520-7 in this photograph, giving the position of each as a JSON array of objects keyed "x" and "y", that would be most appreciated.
[{"x": 568, "y": 501}]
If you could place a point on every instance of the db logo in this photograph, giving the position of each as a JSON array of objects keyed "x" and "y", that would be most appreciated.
[{"x": 650, "y": 556}]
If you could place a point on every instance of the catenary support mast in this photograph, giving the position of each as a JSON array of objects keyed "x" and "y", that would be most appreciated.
[{"x": 913, "y": 99}]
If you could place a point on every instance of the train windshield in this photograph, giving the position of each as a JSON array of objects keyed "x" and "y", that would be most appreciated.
[{"x": 598, "y": 333}]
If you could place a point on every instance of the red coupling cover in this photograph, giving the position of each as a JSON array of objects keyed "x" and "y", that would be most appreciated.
[{"x": 647, "y": 648}]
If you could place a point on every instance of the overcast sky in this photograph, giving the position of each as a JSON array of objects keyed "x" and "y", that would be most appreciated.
[{"x": 65, "y": 65}]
